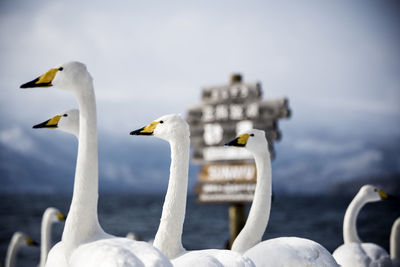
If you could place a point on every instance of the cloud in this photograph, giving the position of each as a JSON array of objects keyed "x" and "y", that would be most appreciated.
[
  {"x": 364, "y": 163},
  {"x": 15, "y": 139},
  {"x": 327, "y": 147},
  {"x": 340, "y": 75}
]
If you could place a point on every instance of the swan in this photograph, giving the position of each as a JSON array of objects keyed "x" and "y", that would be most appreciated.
[
  {"x": 68, "y": 121},
  {"x": 394, "y": 243},
  {"x": 18, "y": 240},
  {"x": 354, "y": 252},
  {"x": 283, "y": 251},
  {"x": 84, "y": 242},
  {"x": 51, "y": 215},
  {"x": 173, "y": 129}
]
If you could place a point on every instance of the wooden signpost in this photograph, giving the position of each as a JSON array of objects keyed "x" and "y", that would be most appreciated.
[{"x": 228, "y": 174}]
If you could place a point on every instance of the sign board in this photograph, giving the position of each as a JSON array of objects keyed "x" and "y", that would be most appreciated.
[
  {"x": 227, "y": 192},
  {"x": 222, "y": 173},
  {"x": 226, "y": 111}
]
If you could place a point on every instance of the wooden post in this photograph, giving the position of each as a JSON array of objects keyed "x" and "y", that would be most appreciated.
[{"x": 236, "y": 220}]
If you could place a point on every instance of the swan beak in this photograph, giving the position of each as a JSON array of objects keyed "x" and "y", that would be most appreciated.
[
  {"x": 240, "y": 141},
  {"x": 383, "y": 195},
  {"x": 42, "y": 81},
  {"x": 52, "y": 123},
  {"x": 61, "y": 216},
  {"x": 31, "y": 242},
  {"x": 147, "y": 130}
]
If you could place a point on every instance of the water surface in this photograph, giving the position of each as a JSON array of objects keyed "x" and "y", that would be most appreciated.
[{"x": 206, "y": 225}]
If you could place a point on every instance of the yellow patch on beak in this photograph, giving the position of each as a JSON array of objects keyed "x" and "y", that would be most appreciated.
[
  {"x": 60, "y": 216},
  {"x": 53, "y": 121},
  {"x": 242, "y": 139},
  {"x": 149, "y": 129},
  {"x": 382, "y": 194},
  {"x": 29, "y": 241},
  {"x": 47, "y": 78}
]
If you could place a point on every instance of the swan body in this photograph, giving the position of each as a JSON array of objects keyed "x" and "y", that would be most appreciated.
[
  {"x": 84, "y": 242},
  {"x": 50, "y": 216},
  {"x": 361, "y": 254},
  {"x": 168, "y": 239},
  {"x": 394, "y": 243},
  {"x": 18, "y": 240},
  {"x": 354, "y": 252},
  {"x": 283, "y": 251},
  {"x": 212, "y": 257},
  {"x": 290, "y": 251}
]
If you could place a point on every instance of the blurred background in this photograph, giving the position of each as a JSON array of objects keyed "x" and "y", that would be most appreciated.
[{"x": 338, "y": 63}]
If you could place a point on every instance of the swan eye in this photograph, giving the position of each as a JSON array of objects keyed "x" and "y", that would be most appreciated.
[
  {"x": 251, "y": 134},
  {"x": 60, "y": 68},
  {"x": 161, "y": 121},
  {"x": 65, "y": 115},
  {"x": 376, "y": 190}
]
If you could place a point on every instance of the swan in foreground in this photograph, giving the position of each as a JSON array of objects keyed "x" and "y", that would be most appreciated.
[
  {"x": 394, "y": 243},
  {"x": 173, "y": 129},
  {"x": 354, "y": 252},
  {"x": 283, "y": 251},
  {"x": 18, "y": 240},
  {"x": 84, "y": 242},
  {"x": 50, "y": 216}
]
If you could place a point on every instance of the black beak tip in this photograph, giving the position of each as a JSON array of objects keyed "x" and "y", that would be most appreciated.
[
  {"x": 42, "y": 125},
  {"x": 24, "y": 86},
  {"x": 137, "y": 132},
  {"x": 29, "y": 84},
  {"x": 35, "y": 244},
  {"x": 231, "y": 143},
  {"x": 391, "y": 197}
]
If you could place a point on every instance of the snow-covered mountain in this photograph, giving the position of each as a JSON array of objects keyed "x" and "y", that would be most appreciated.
[{"x": 44, "y": 161}]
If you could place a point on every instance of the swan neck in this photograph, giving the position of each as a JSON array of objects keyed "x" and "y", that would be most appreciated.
[
  {"x": 45, "y": 239},
  {"x": 83, "y": 210},
  {"x": 12, "y": 251},
  {"x": 350, "y": 220},
  {"x": 395, "y": 240},
  {"x": 169, "y": 235},
  {"x": 258, "y": 217}
]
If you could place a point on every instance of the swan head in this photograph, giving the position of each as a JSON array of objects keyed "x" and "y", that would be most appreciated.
[
  {"x": 69, "y": 76},
  {"x": 21, "y": 239},
  {"x": 168, "y": 127},
  {"x": 372, "y": 193},
  {"x": 67, "y": 121},
  {"x": 53, "y": 215},
  {"x": 253, "y": 140}
]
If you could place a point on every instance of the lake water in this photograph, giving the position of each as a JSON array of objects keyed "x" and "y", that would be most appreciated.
[{"x": 206, "y": 225}]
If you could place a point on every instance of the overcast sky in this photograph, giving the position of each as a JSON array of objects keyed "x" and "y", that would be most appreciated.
[{"x": 338, "y": 62}]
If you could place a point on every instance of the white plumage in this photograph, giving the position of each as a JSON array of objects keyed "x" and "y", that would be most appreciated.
[
  {"x": 290, "y": 251},
  {"x": 18, "y": 240},
  {"x": 50, "y": 216},
  {"x": 168, "y": 239},
  {"x": 84, "y": 243},
  {"x": 284, "y": 251},
  {"x": 394, "y": 243},
  {"x": 355, "y": 253}
]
